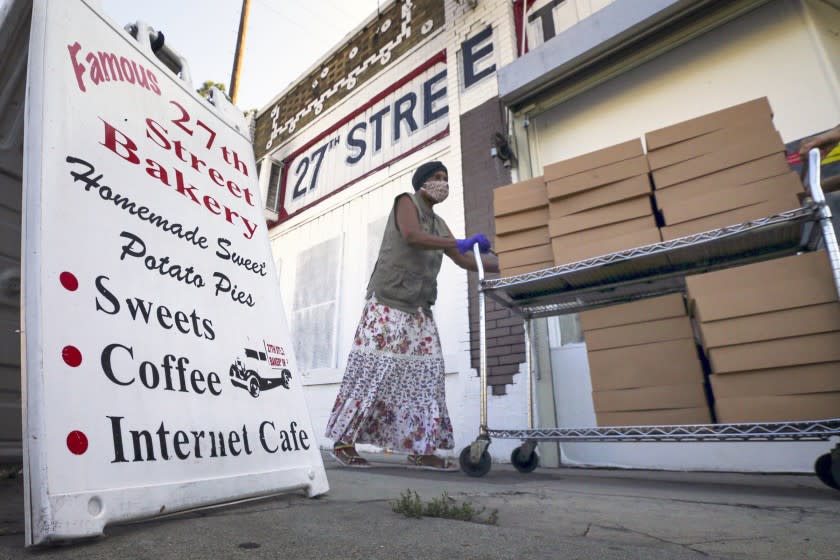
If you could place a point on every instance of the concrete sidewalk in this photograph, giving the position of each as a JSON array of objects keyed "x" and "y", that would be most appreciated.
[{"x": 550, "y": 513}]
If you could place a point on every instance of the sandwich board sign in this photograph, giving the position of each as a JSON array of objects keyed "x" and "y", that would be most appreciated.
[{"x": 158, "y": 366}]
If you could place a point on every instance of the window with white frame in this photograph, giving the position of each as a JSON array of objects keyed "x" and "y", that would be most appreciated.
[
  {"x": 315, "y": 305},
  {"x": 272, "y": 199}
]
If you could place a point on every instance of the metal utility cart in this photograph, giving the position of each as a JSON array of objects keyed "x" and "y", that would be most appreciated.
[{"x": 649, "y": 271}]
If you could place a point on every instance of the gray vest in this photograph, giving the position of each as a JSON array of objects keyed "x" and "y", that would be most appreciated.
[{"x": 405, "y": 277}]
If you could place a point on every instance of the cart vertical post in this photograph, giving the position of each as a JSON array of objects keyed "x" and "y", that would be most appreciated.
[
  {"x": 474, "y": 459},
  {"x": 482, "y": 336},
  {"x": 523, "y": 457},
  {"x": 824, "y": 215},
  {"x": 529, "y": 372}
]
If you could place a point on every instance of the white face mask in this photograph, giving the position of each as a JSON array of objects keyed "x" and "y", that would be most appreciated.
[{"x": 437, "y": 190}]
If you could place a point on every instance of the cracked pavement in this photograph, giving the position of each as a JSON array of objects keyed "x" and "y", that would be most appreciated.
[{"x": 550, "y": 513}]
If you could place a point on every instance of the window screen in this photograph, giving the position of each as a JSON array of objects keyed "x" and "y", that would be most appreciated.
[{"x": 315, "y": 304}]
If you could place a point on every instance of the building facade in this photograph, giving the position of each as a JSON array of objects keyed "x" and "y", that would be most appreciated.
[{"x": 497, "y": 89}]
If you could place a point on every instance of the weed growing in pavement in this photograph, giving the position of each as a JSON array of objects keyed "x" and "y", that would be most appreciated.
[{"x": 410, "y": 505}]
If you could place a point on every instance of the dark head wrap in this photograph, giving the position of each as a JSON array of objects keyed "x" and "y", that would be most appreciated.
[{"x": 424, "y": 171}]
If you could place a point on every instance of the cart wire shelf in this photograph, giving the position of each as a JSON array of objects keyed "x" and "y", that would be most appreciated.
[
  {"x": 820, "y": 430},
  {"x": 655, "y": 269}
]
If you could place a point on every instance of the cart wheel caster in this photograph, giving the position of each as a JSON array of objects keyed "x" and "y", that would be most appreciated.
[
  {"x": 474, "y": 469},
  {"x": 526, "y": 466},
  {"x": 822, "y": 467}
]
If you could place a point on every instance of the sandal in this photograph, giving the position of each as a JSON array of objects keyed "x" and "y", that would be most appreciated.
[
  {"x": 346, "y": 456},
  {"x": 432, "y": 463}
]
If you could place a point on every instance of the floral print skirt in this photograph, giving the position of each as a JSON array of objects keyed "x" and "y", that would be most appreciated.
[{"x": 393, "y": 392}]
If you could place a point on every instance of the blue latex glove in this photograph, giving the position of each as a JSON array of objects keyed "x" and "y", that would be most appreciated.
[{"x": 465, "y": 245}]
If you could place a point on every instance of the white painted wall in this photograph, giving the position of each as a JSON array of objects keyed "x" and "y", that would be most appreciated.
[
  {"x": 788, "y": 51},
  {"x": 772, "y": 52}
]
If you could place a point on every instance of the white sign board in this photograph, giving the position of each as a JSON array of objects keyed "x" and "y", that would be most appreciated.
[
  {"x": 408, "y": 115},
  {"x": 158, "y": 366}
]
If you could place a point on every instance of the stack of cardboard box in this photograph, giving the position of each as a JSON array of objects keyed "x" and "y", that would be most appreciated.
[
  {"x": 644, "y": 364},
  {"x": 522, "y": 242},
  {"x": 720, "y": 169},
  {"x": 600, "y": 203},
  {"x": 772, "y": 334}
]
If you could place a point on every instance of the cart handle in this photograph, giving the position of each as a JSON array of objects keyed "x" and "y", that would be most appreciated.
[
  {"x": 478, "y": 263},
  {"x": 824, "y": 216},
  {"x": 814, "y": 178}
]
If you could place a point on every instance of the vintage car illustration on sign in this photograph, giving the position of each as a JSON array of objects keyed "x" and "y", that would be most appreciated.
[{"x": 248, "y": 376}]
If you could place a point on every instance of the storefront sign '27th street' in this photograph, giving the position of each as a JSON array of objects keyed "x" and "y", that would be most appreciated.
[{"x": 408, "y": 115}]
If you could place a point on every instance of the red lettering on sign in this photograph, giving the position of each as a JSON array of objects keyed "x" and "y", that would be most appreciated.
[{"x": 108, "y": 67}]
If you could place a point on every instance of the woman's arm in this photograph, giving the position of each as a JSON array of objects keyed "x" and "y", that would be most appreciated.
[
  {"x": 467, "y": 260},
  {"x": 409, "y": 226}
]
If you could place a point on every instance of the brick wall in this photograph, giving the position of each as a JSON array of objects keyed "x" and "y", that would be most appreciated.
[{"x": 481, "y": 174}]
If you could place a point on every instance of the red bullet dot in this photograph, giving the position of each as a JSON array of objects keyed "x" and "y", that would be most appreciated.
[
  {"x": 77, "y": 442},
  {"x": 69, "y": 281},
  {"x": 71, "y": 355}
]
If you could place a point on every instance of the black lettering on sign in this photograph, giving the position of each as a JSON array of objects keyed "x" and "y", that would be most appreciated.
[
  {"x": 472, "y": 54},
  {"x": 173, "y": 378},
  {"x": 224, "y": 286},
  {"x": 430, "y": 96},
  {"x": 546, "y": 17},
  {"x": 302, "y": 168},
  {"x": 136, "y": 247},
  {"x": 142, "y": 310},
  {"x": 357, "y": 144},
  {"x": 226, "y": 254},
  {"x": 404, "y": 111},
  {"x": 274, "y": 440},
  {"x": 185, "y": 444}
]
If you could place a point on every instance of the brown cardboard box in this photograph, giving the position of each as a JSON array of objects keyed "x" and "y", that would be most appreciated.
[
  {"x": 783, "y": 352},
  {"x": 639, "y": 333},
  {"x": 786, "y": 283},
  {"x": 522, "y": 221},
  {"x": 599, "y": 158},
  {"x": 784, "y": 408},
  {"x": 651, "y": 309},
  {"x": 785, "y": 323},
  {"x": 752, "y": 276},
  {"x": 597, "y": 177},
  {"x": 565, "y": 252},
  {"x": 795, "y": 380},
  {"x": 610, "y": 230},
  {"x": 522, "y": 257},
  {"x": 715, "y": 161},
  {"x": 695, "y": 207},
  {"x": 719, "y": 181},
  {"x": 518, "y": 197},
  {"x": 731, "y": 218},
  {"x": 650, "y": 398},
  {"x": 600, "y": 196},
  {"x": 708, "y": 142},
  {"x": 755, "y": 110},
  {"x": 626, "y": 210},
  {"x": 672, "y": 362},
  {"x": 673, "y": 416},
  {"x": 517, "y": 270},
  {"x": 522, "y": 239}
]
